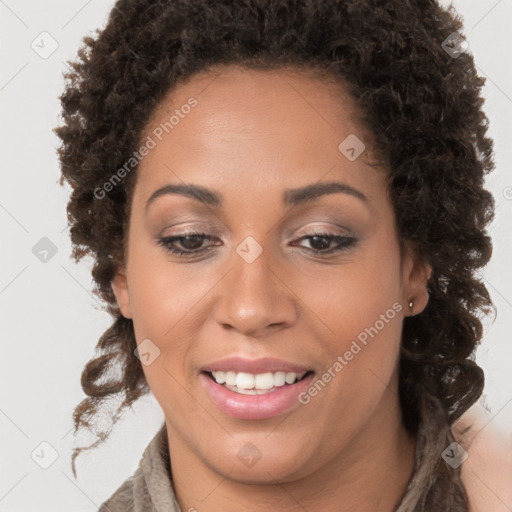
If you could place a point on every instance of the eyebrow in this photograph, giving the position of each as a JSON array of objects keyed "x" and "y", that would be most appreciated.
[{"x": 291, "y": 197}]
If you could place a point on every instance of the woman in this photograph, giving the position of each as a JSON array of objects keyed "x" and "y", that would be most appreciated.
[{"x": 285, "y": 205}]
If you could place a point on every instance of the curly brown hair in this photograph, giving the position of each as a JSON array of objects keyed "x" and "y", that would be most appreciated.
[{"x": 422, "y": 104}]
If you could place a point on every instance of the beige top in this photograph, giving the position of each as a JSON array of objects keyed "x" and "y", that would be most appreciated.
[{"x": 150, "y": 489}]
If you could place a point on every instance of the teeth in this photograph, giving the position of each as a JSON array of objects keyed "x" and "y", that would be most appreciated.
[
  {"x": 244, "y": 380},
  {"x": 279, "y": 378},
  {"x": 250, "y": 391},
  {"x": 230, "y": 378},
  {"x": 250, "y": 382},
  {"x": 290, "y": 378},
  {"x": 264, "y": 381}
]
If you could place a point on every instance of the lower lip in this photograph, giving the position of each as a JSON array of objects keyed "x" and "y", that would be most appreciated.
[{"x": 256, "y": 407}]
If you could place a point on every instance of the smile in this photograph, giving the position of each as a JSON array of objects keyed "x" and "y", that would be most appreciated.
[
  {"x": 256, "y": 404},
  {"x": 255, "y": 384}
]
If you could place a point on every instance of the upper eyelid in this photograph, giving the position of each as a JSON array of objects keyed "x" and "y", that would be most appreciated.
[{"x": 208, "y": 230}]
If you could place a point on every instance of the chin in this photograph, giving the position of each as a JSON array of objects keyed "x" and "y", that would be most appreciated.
[{"x": 265, "y": 465}]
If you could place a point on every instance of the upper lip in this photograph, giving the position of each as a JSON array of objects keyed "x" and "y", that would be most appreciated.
[{"x": 255, "y": 366}]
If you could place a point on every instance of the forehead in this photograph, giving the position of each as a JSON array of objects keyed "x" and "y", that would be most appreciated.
[
  {"x": 254, "y": 128},
  {"x": 277, "y": 97}
]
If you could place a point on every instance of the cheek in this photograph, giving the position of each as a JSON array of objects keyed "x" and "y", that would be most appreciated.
[
  {"x": 162, "y": 297},
  {"x": 162, "y": 301},
  {"x": 355, "y": 295},
  {"x": 361, "y": 306},
  {"x": 161, "y": 291}
]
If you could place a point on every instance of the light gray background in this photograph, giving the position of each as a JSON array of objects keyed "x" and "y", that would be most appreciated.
[{"x": 50, "y": 320}]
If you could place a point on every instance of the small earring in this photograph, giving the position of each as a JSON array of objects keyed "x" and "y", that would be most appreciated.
[{"x": 411, "y": 305}]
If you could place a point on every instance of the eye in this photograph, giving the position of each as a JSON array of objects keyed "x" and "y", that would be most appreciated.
[
  {"x": 324, "y": 240},
  {"x": 192, "y": 242}
]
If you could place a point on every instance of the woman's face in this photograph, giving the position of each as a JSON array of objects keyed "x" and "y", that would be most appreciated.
[{"x": 261, "y": 298}]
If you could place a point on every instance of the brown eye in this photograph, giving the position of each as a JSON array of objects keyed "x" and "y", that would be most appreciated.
[
  {"x": 191, "y": 243},
  {"x": 321, "y": 241}
]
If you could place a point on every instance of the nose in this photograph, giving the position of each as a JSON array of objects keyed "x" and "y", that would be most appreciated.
[{"x": 256, "y": 297}]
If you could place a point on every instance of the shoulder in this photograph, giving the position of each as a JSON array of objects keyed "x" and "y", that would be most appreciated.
[
  {"x": 487, "y": 471},
  {"x": 122, "y": 500}
]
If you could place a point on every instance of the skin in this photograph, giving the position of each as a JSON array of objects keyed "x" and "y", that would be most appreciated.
[{"x": 252, "y": 135}]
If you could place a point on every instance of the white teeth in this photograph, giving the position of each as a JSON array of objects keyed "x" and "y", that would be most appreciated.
[
  {"x": 230, "y": 378},
  {"x": 243, "y": 381},
  {"x": 290, "y": 378},
  {"x": 220, "y": 377},
  {"x": 279, "y": 378},
  {"x": 264, "y": 381},
  {"x": 250, "y": 391}
]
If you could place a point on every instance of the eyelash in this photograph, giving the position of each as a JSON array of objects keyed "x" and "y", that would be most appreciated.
[{"x": 344, "y": 242}]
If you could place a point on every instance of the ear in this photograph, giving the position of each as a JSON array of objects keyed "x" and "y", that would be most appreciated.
[
  {"x": 415, "y": 275},
  {"x": 120, "y": 289}
]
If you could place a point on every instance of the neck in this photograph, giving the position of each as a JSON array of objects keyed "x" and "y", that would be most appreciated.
[{"x": 370, "y": 474}]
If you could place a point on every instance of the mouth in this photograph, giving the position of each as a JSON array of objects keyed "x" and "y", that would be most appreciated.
[
  {"x": 256, "y": 384},
  {"x": 255, "y": 396}
]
